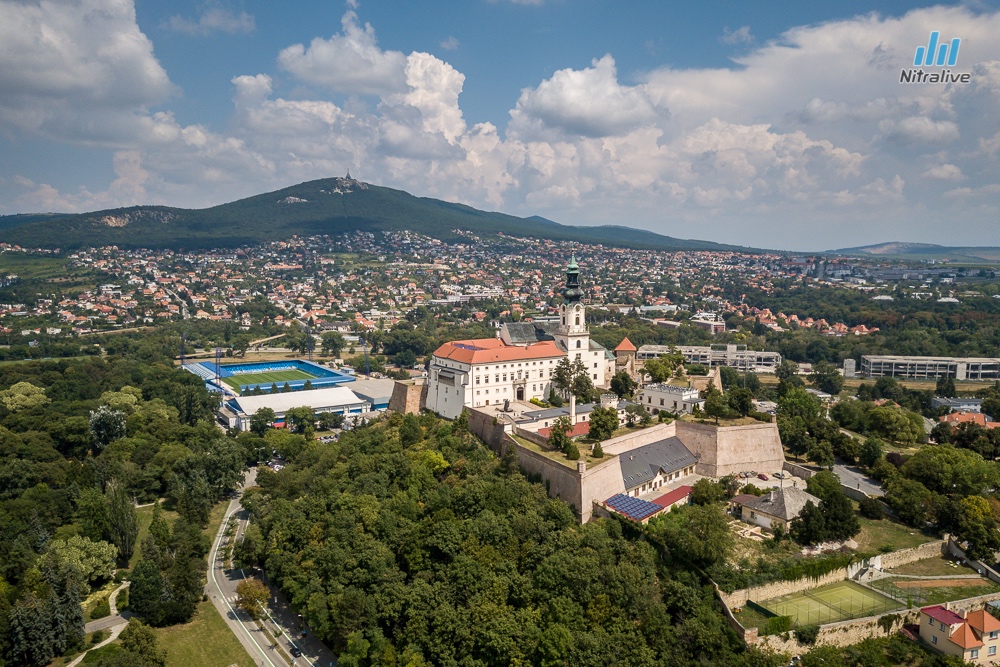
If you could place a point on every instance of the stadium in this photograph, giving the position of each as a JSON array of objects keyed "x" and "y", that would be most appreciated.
[{"x": 265, "y": 375}]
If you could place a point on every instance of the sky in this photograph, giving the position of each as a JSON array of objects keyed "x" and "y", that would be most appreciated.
[{"x": 779, "y": 125}]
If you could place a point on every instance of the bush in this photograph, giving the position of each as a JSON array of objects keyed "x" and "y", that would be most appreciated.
[
  {"x": 871, "y": 509},
  {"x": 98, "y": 637},
  {"x": 777, "y": 624},
  {"x": 572, "y": 452},
  {"x": 598, "y": 451},
  {"x": 120, "y": 576},
  {"x": 807, "y": 634},
  {"x": 101, "y": 609}
]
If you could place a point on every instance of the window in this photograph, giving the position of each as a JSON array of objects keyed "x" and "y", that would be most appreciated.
[
  {"x": 942, "y": 626},
  {"x": 578, "y": 320},
  {"x": 974, "y": 653},
  {"x": 993, "y": 635},
  {"x": 578, "y": 343},
  {"x": 993, "y": 649},
  {"x": 595, "y": 376},
  {"x": 595, "y": 364}
]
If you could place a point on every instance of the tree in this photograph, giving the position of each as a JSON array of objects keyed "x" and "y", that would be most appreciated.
[
  {"x": 146, "y": 589},
  {"x": 300, "y": 420},
  {"x": 261, "y": 421},
  {"x": 715, "y": 403},
  {"x": 558, "y": 439},
  {"x": 911, "y": 500},
  {"x": 820, "y": 452},
  {"x": 251, "y": 596},
  {"x": 637, "y": 412},
  {"x": 841, "y": 521},
  {"x": 697, "y": 533},
  {"x": 106, "y": 426},
  {"x": 410, "y": 432},
  {"x": 893, "y": 423},
  {"x": 140, "y": 641},
  {"x": 23, "y": 396},
  {"x": 598, "y": 451},
  {"x": 603, "y": 422},
  {"x": 952, "y": 471},
  {"x": 79, "y": 560},
  {"x": 871, "y": 452},
  {"x": 870, "y": 508},
  {"x": 740, "y": 400},
  {"x": 405, "y": 359},
  {"x": 707, "y": 492},
  {"x": 946, "y": 387},
  {"x": 798, "y": 403},
  {"x": 809, "y": 527},
  {"x": 123, "y": 524},
  {"x": 664, "y": 367},
  {"x": 623, "y": 385},
  {"x": 827, "y": 378},
  {"x": 332, "y": 343},
  {"x": 977, "y": 528}
]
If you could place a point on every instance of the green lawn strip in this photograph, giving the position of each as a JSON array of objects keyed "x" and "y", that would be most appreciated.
[
  {"x": 273, "y": 642},
  {"x": 937, "y": 595},
  {"x": 205, "y": 641}
]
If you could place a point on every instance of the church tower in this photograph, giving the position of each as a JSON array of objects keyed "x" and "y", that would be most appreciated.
[{"x": 572, "y": 332}]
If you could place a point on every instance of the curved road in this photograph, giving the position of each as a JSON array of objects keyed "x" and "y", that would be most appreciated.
[{"x": 221, "y": 588}]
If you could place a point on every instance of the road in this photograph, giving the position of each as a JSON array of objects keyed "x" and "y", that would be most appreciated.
[
  {"x": 221, "y": 588},
  {"x": 854, "y": 478}
]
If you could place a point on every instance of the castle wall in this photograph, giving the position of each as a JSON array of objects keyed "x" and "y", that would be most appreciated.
[
  {"x": 727, "y": 450},
  {"x": 408, "y": 396}
]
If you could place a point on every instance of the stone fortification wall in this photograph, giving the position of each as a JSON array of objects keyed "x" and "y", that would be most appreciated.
[
  {"x": 904, "y": 556},
  {"x": 560, "y": 481},
  {"x": 408, "y": 396},
  {"x": 487, "y": 429},
  {"x": 630, "y": 441},
  {"x": 728, "y": 450},
  {"x": 599, "y": 483},
  {"x": 797, "y": 470},
  {"x": 844, "y": 633}
]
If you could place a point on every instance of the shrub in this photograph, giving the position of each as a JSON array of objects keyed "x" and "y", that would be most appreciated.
[
  {"x": 598, "y": 451},
  {"x": 871, "y": 509},
  {"x": 98, "y": 637},
  {"x": 777, "y": 624},
  {"x": 572, "y": 452},
  {"x": 807, "y": 634},
  {"x": 120, "y": 576},
  {"x": 887, "y": 548},
  {"x": 101, "y": 609}
]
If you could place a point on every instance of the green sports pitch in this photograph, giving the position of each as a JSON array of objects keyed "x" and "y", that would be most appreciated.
[
  {"x": 266, "y": 379},
  {"x": 841, "y": 601}
]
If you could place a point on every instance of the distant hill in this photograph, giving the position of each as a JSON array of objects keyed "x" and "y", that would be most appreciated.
[
  {"x": 326, "y": 206},
  {"x": 926, "y": 251}
]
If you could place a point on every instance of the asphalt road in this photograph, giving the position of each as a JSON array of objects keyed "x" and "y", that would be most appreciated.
[
  {"x": 222, "y": 590},
  {"x": 853, "y": 477}
]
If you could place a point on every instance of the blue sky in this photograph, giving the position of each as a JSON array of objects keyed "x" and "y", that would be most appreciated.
[{"x": 777, "y": 124}]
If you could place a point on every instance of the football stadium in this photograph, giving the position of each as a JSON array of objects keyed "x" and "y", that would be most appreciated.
[{"x": 267, "y": 375}]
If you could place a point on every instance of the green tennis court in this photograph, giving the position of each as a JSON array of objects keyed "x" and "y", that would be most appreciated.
[
  {"x": 266, "y": 378},
  {"x": 828, "y": 604}
]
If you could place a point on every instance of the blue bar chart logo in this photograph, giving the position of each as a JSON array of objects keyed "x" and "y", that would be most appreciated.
[{"x": 936, "y": 53}]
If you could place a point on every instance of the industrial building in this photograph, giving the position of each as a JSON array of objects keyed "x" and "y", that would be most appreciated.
[
  {"x": 734, "y": 356},
  {"x": 931, "y": 368}
]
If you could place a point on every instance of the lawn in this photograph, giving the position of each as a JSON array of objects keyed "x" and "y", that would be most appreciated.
[
  {"x": 271, "y": 377},
  {"x": 206, "y": 641},
  {"x": 920, "y": 592},
  {"x": 559, "y": 457},
  {"x": 933, "y": 567},
  {"x": 876, "y": 535}
]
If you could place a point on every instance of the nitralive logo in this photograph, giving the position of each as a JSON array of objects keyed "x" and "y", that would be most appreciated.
[{"x": 935, "y": 54}]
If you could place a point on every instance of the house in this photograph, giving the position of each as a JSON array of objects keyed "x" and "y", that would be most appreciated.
[
  {"x": 971, "y": 636},
  {"x": 668, "y": 398},
  {"x": 777, "y": 507},
  {"x": 651, "y": 466}
]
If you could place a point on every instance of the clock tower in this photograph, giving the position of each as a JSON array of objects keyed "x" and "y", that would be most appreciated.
[{"x": 572, "y": 332}]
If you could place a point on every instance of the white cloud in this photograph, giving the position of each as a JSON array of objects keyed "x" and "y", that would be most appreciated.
[
  {"x": 211, "y": 20},
  {"x": 449, "y": 44},
  {"x": 919, "y": 129},
  {"x": 78, "y": 71},
  {"x": 350, "y": 62},
  {"x": 741, "y": 35},
  {"x": 944, "y": 172},
  {"x": 588, "y": 102}
]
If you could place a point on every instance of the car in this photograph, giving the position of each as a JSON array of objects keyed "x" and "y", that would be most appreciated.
[
  {"x": 779, "y": 475},
  {"x": 296, "y": 653},
  {"x": 763, "y": 476}
]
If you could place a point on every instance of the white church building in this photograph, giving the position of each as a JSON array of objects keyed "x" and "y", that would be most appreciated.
[{"x": 519, "y": 364}]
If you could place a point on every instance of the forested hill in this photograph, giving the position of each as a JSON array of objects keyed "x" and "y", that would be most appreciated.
[{"x": 327, "y": 206}]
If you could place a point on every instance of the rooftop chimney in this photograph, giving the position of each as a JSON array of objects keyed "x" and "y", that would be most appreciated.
[{"x": 572, "y": 409}]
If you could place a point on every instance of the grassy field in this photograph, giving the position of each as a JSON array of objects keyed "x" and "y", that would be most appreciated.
[
  {"x": 875, "y": 535},
  {"x": 918, "y": 592},
  {"x": 206, "y": 641},
  {"x": 268, "y": 378},
  {"x": 828, "y": 604},
  {"x": 29, "y": 267},
  {"x": 930, "y": 567}
]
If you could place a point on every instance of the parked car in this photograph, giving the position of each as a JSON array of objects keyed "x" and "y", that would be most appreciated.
[
  {"x": 296, "y": 652},
  {"x": 763, "y": 477}
]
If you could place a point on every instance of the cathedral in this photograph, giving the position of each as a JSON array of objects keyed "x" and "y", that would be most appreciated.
[{"x": 517, "y": 365}]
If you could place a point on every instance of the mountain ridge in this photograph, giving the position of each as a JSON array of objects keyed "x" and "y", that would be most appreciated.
[{"x": 323, "y": 206}]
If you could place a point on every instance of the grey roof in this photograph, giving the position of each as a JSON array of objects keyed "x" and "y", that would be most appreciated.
[
  {"x": 581, "y": 409},
  {"x": 523, "y": 333},
  {"x": 782, "y": 503},
  {"x": 643, "y": 463}
]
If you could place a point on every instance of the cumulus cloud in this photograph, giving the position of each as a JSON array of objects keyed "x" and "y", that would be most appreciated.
[
  {"x": 944, "y": 172},
  {"x": 919, "y": 129},
  {"x": 588, "y": 102},
  {"x": 79, "y": 71},
  {"x": 349, "y": 62},
  {"x": 211, "y": 20}
]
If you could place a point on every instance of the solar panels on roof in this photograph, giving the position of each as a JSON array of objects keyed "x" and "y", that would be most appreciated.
[{"x": 633, "y": 508}]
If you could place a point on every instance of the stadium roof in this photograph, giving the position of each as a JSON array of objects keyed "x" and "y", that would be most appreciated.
[{"x": 325, "y": 398}]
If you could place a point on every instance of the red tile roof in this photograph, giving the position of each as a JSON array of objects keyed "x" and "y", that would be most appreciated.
[
  {"x": 579, "y": 429},
  {"x": 671, "y": 497},
  {"x": 942, "y": 615},
  {"x": 982, "y": 621},
  {"x": 488, "y": 350},
  {"x": 965, "y": 637},
  {"x": 625, "y": 346}
]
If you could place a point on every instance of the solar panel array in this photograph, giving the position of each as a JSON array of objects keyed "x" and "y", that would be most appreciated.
[{"x": 633, "y": 508}]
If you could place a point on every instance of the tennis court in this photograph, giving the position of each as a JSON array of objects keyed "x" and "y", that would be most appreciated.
[
  {"x": 266, "y": 379},
  {"x": 841, "y": 601}
]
